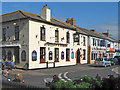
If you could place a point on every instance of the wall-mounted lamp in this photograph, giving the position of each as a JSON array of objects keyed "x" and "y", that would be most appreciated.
[
  {"x": 62, "y": 39},
  {"x": 48, "y": 48},
  {"x": 14, "y": 24}
]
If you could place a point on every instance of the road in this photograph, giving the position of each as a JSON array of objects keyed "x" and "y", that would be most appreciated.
[{"x": 69, "y": 73}]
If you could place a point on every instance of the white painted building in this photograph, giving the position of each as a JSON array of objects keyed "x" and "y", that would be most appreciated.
[{"x": 42, "y": 41}]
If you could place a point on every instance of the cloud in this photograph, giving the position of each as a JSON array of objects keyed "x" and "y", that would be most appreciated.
[{"x": 113, "y": 30}]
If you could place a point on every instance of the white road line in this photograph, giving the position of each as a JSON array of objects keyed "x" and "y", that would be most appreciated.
[
  {"x": 59, "y": 76},
  {"x": 65, "y": 76}
]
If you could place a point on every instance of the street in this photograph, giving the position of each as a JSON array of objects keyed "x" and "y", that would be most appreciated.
[{"x": 69, "y": 73}]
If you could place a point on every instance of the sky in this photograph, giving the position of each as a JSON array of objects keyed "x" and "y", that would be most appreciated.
[{"x": 101, "y": 16}]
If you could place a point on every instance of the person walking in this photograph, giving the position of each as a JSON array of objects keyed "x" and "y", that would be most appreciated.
[
  {"x": 12, "y": 64},
  {"x": 26, "y": 66},
  {"x": 3, "y": 64}
]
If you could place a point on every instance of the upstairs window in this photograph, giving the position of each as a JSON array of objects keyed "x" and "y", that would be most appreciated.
[
  {"x": 42, "y": 30},
  {"x": 98, "y": 42},
  {"x": 76, "y": 38},
  {"x": 4, "y": 34},
  {"x": 34, "y": 56},
  {"x": 16, "y": 32},
  {"x": 84, "y": 41},
  {"x": 56, "y": 36},
  {"x": 68, "y": 37}
]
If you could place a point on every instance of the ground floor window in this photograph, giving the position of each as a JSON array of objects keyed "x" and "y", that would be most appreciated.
[
  {"x": 9, "y": 55},
  {"x": 84, "y": 54},
  {"x": 3, "y": 54},
  {"x": 72, "y": 55},
  {"x": 42, "y": 54},
  {"x": 34, "y": 55},
  {"x": 62, "y": 55},
  {"x": 56, "y": 54},
  {"x": 23, "y": 55},
  {"x": 67, "y": 54},
  {"x": 94, "y": 55},
  {"x": 50, "y": 55}
]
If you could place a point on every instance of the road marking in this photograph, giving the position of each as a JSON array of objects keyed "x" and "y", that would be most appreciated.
[
  {"x": 59, "y": 76},
  {"x": 65, "y": 76}
]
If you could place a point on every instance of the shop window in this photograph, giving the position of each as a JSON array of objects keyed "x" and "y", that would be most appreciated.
[
  {"x": 42, "y": 30},
  {"x": 23, "y": 55},
  {"x": 34, "y": 56},
  {"x": 67, "y": 54},
  {"x": 50, "y": 55},
  {"x": 16, "y": 32},
  {"x": 4, "y": 34},
  {"x": 42, "y": 54},
  {"x": 72, "y": 55},
  {"x": 56, "y": 36},
  {"x": 68, "y": 37},
  {"x": 84, "y": 54},
  {"x": 9, "y": 55},
  {"x": 62, "y": 55}
]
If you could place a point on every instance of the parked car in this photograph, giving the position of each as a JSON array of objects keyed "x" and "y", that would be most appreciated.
[
  {"x": 117, "y": 59},
  {"x": 103, "y": 61},
  {"x": 112, "y": 61}
]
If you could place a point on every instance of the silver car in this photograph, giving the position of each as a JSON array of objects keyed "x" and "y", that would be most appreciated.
[{"x": 102, "y": 62}]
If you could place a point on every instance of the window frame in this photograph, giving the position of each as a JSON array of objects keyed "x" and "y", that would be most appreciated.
[
  {"x": 42, "y": 54},
  {"x": 84, "y": 44},
  {"x": 4, "y": 34},
  {"x": 42, "y": 33},
  {"x": 84, "y": 54},
  {"x": 67, "y": 37},
  {"x": 50, "y": 55},
  {"x": 72, "y": 55},
  {"x": 16, "y": 32},
  {"x": 23, "y": 54},
  {"x": 9, "y": 54},
  {"x": 56, "y": 54},
  {"x": 56, "y": 35},
  {"x": 67, "y": 54},
  {"x": 62, "y": 55},
  {"x": 34, "y": 56}
]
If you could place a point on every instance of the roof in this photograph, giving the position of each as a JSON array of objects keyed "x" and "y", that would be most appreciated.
[
  {"x": 91, "y": 33},
  {"x": 23, "y": 15}
]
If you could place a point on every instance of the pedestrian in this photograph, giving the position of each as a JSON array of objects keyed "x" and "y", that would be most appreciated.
[
  {"x": 26, "y": 66},
  {"x": 3, "y": 64},
  {"x": 18, "y": 78},
  {"x": 12, "y": 64}
]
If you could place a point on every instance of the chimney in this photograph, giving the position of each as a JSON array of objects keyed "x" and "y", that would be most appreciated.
[
  {"x": 93, "y": 30},
  {"x": 46, "y": 13},
  {"x": 70, "y": 21},
  {"x": 106, "y": 34}
]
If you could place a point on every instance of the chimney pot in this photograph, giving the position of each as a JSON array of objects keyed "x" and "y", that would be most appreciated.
[{"x": 70, "y": 21}]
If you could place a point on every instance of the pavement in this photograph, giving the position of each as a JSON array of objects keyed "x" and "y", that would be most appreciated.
[{"x": 69, "y": 73}]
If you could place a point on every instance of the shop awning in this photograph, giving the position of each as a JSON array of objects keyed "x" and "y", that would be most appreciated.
[{"x": 9, "y": 46}]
